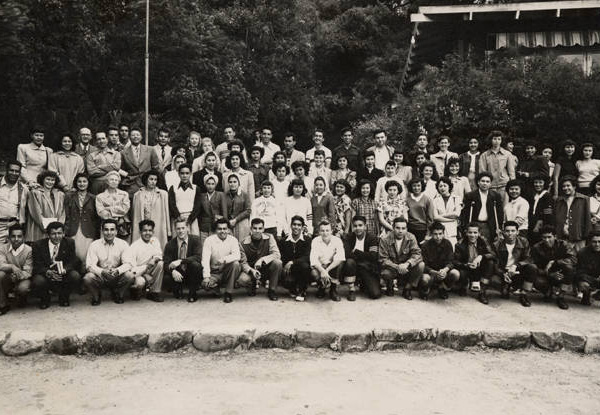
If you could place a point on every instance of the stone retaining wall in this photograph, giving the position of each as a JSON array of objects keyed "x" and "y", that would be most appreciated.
[{"x": 19, "y": 343}]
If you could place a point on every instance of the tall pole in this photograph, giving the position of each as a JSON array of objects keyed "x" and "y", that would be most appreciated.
[{"x": 147, "y": 71}]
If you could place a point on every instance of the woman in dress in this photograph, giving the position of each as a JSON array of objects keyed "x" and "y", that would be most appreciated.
[
  {"x": 588, "y": 168},
  {"x": 342, "y": 172},
  {"x": 391, "y": 207},
  {"x": 460, "y": 184},
  {"x": 565, "y": 165},
  {"x": 238, "y": 207},
  {"x": 322, "y": 203},
  {"x": 151, "y": 203},
  {"x": 172, "y": 176},
  {"x": 297, "y": 204},
  {"x": 66, "y": 163},
  {"x": 236, "y": 165},
  {"x": 364, "y": 205},
  {"x": 81, "y": 220},
  {"x": 430, "y": 177},
  {"x": 45, "y": 204},
  {"x": 447, "y": 207},
  {"x": 113, "y": 203},
  {"x": 343, "y": 210},
  {"x": 420, "y": 210},
  {"x": 403, "y": 171}
]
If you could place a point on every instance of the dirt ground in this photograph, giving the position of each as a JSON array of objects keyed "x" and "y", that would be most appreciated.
[
  {"x": 212, "y": 315},
  {"x": 304, "y": 382}
]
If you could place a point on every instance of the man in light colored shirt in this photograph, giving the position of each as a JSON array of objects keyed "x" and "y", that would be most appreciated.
[
  {"x": 319, "y": 139},
  {"x": 469, "y": 162},
  {"x": 289, "y": 149},
  {"x": 499, "y": 162},
  {"x": 221, "y": 260},
  {"x": 266, "y": 135},
  {"x": 163, "y": 150},
  {"x": 320, "y": 169},
  {"x": 383, "y": 152},
  {"x": 516, "y": 208},
  {"x": 105, "y": 265},
  {"x": 16, "y": 265},
  {"x": 222, "y": 150},
  {"x": 13, "y": 199},
  {"x": 327, "y": 258},
  {"x": 144, "y": 258},
  {"x": 101, "y": 161}
]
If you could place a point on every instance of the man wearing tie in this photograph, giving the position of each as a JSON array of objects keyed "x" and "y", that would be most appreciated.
[
  {"x": 55, "y": 266},
  {"x": 83, "y": 148},
  {"x": 135, "y": 161},
  {"x": 163, "y": 150},
  {"x": 183, "y": 261}
]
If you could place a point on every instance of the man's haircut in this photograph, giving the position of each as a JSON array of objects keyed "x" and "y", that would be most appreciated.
[
  {"x": 510, "y": 223},
  {"x": 54, "y": 225},
  {"x": 184, "y": 166},
  {"x": 319, "y": 153},
  {"x": 14, "y": 163},
  {"x": 180, "y": 219},
  {"x": 359, "y": 218},
  {"x": 483, "y": 174},
  {"x": 146, "y": 222},
  {"x": 378, "y": 131},
  {"x": 399, "y": 219},
  {"x": 473, "y": 225},
  {"x": 15, "y": 227},
  {"x": 324, "y": 222},
  {"x": 257, "y": 221},
  {"x": 109, "y": 221},
  {"x": 548, "y": 229},
  {"x": 437, "y": 226},
  {"x": 390, "y": 163},
  {"x": 346, "y": 130},
  {"x": 221, "y": 221},
  {"x": 297, "y": 218},
  {"x": 495, "y": 133}
]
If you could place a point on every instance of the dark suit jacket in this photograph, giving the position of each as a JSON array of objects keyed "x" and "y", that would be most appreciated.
[
  {"x": 472, "y": 206},
  {"x": 42, "y": 256},
  {"x": 369, "y": 256},
  {"x": 373, "y": 176},
  {"x": 208, "y": 210},
  {"x": 461, "y": 252},
  {"x": 194, "y": 252},
  {"x": 87, "y": 217},
  {"x": 79, "y": 150},
  {"x": 148, "y": 160}
]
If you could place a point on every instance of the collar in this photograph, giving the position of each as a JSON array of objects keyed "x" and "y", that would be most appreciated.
[
  {"x": 364, "y": 238},
  {"x": 180, "y": 241},
  {"x": 482, "y": 193},
  {"x": 18, "y": 250},
  {"x": 185, "y": 186},
  {"x": 33, "y": 146},
  {"x": 3, "y": 182},
  {"x": 473, "y": 154},
  {"x": 500, "y": 151},
  {"x": 248, "y": 239},
  {"x": 290, "y": 239},
  {"x": 106, "y": 243},
  {"x": 51, "y": 245}
]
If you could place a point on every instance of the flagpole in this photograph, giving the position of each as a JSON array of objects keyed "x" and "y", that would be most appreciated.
[{"x": 147, "y": 71}]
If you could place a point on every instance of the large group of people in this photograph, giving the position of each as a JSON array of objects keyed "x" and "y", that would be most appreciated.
[{"x": 105, "y": 212}]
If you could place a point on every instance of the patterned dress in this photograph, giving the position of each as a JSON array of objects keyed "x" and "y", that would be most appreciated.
[
  {"x": 392, "y": 209},
  {"x": 342, "y": 205},
  {"x": 368, "y": 209}
]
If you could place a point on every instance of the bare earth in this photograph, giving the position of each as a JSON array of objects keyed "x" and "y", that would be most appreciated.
[{"x": 304, "y": 382}]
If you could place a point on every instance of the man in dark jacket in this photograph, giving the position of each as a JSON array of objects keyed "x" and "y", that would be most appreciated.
[
  {"x": 513, "y": 267},
  {"x": 361, "y": 258},
  {"x": 474, "y": 259},
  {"x": 484, "y": 207},
  {"x": 588, "y": 269},
  {"x": 555, "y": 260},
  {"x": 531, "y": 165},
  {"x": 438, "y": 257},
  {"x": 295, "y": 257},
  {"x": 55, "y": 266},
  {"x": 572, "y": 214}
]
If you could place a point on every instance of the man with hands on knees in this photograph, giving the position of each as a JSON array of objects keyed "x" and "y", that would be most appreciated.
[{"x": 327, "y": 257}]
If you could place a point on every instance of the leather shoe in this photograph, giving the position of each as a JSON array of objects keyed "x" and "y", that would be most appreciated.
[
  {"x": 483, "y": 299},
  {"x": 321, "y": 292},
  {"x": 64, "y": 302},
  {"x": 351, "y": 296},
  {"x": 4, "y": 310},
  {"x": 333, "y": 293},
  {"x": 505, "y": 293},
  {"x": 44, "y": 303},
  {"x": 407, "y": 294},
  {"x": 135, "y": 295},
  {"x": 462, "y": 291},
  {"x": 119, "y": 299},
  {"x": 272, "y": 295},
  {"x": 389, "y": 290},
  {"x": 561, "y": 303},
  {"x": 443, "y": 294},
  {"x": 424, "y": 295},
  {"x": 252, "y": 291},
  {"x": 524, "y": 300},
  {"x": 156, "y": 297},
  {"x": 192, "y": 297},
  {"x": 585, "y": 300},
  {"x": 178, "y": 292},
  {"x": 96, "y": 301},
  {"x": 227, "y": 298}
]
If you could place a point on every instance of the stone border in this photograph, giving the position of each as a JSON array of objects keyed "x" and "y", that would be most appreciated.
[{"x": 19, "y": 343}]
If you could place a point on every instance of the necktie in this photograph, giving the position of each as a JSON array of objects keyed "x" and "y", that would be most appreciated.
[
  {"x": 54, "y": 252},
  {"x": 136, "y": 151},
  {"x": 183, "y": 250},
  {"x": 162, "y": 152}
]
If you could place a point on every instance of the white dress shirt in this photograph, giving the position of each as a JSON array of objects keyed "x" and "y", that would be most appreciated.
[
  {"x": 140, "y": 253},
  {"x": 102, "y": 255},
  {"x": 325, "y": 253}
]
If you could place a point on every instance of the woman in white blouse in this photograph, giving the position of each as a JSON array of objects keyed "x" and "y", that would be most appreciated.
[
  {"x": 460, "y": 183},
  {"x": 297, "y": 204},
  {"x": 446, "y": 208}
]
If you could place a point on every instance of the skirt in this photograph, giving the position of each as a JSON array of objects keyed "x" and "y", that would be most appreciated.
[{"x": 82, "y": 245}]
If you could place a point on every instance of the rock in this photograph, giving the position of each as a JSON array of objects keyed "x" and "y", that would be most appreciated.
[
  {"x": 274, "y": 340},
  {"x": 355, "y": 342},
  {"x": 21, "y": 342},
  {"x": 315, "y": 340},
  {"x": 104, "y": 343},
  {"x": 547, "y": 341},
  {"x": 65, "y": 345},
  {"x": 209, "y": 343},
  {"x": 592, "y": 345},
  {"x": 458, "y": 340},
  {"x": 168, "y": 342},
  {"x": 3, "y": 337},
  {"x": 384, "y": 346},
  {"x": 405, "y": 336},
  {"x": 573, "y": 342},
  {"x": 507, "y": 340}
]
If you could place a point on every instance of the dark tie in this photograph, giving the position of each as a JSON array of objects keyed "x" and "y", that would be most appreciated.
[
  {"x": 54, "y": 252},
  {"x": 183, "y": 250},
  {"x": 162, "y": 152}
]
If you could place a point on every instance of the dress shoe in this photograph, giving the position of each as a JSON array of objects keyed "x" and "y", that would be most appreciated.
[
  {"x": 252, "y": 290},
  {"x": 351, "y": 296},
  {"x": 156, "y": 297},
  {"x": 389, "y": 290},
  {"x": 63, "y": 302},
  {"x": 596, "y": 295},
  {"x": 524, "y": 300},
  {"x": 192, "y": 297},
  {"x": 227, "y": 298},
  {"x": 119, "y": 299},
  {"x": 585, "y": 300},
  {"x": 272, "y": 295},
  {"x": 178, "y": 292},
  {"x": 548, "y": 296},
  {"x": 333, "y": 294},
  {"x": 505, "y": 292},
  {"x": 407, "y": 294},
  {"x": 483, "y": 299},
  {"x": 424, "y": 295},
  {"x": 4, "y": 310},
  {"x": 21, "y": 301},
  {"x": 462, "y": 291},
  {"x": 44, "y": 303},
  {"x": 321, "y": 292},
  {"x": 443, "y": 294},
  {"x": 135, "y": 295},
  {"x": 561, "y": 303},
  {"x": 96, "y": 301}
]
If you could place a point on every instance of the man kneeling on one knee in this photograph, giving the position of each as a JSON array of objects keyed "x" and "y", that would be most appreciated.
[
  {"x": 261, "y": 260},
  {"x": 438, "y": 256},
  {"x": 400, "y": 258},
  {"x": 327, "y": 259},
  {"x": 144, "y": 257}
]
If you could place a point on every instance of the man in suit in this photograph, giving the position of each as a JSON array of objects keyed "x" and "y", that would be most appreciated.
[
  {"x": 183, "y": 261},
  {"x": 400, "y": 258},
  {"x": 55, "y": 266},
  {"x": 484, "y": 207},
  {"x": 84, "y": 146},
  {"x": 136, "y": 159},
  {"x": 362, "y": 250},
  {"x": 16, "y": 264},
  {"x": 163, "y": 150},
  {"x": 295, "y": 257}
]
